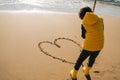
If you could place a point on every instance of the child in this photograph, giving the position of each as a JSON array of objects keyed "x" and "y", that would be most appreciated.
[{"x": 93, "y": 34}]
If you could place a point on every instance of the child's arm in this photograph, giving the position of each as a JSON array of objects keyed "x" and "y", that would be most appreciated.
[{"x": 83, "y": 31}]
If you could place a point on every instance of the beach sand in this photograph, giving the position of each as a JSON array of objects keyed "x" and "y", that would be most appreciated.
[{"x": 21, "y": 58}]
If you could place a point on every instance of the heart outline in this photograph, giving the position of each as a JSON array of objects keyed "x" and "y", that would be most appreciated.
[{"x": 57, "y": 45}]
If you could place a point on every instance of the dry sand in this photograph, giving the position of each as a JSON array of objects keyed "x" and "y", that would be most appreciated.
[{"x": 21, "y": 59}]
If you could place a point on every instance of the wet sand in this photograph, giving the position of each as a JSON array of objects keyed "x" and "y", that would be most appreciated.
[{"x": 21, "y": 59}]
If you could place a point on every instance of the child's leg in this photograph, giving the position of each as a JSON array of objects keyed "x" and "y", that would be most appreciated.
[
  {"x": 93, "y": 55},
  {"x": 84, "y": 54},
  {"x": 92, "y": 58}
]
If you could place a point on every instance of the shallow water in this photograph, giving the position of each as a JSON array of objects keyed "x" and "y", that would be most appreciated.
[{"x": 110, "y": 7}]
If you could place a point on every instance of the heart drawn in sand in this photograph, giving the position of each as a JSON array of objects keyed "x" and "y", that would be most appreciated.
[{"x": 58, "y": 46}]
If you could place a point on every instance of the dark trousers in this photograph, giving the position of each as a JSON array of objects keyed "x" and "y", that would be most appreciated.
[{"x": 84, "y": 54}]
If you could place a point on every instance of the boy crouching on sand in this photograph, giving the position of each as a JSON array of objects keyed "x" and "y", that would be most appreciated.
[{"x": 93, "y": 34}]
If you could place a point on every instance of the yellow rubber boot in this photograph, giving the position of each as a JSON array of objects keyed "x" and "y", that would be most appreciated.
[
  {"x": 73, "y": 74},
  {"x": 86, "y": 70}
]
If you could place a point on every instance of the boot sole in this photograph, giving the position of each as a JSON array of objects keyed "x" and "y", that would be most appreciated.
[{"x": 73, "y": 78}]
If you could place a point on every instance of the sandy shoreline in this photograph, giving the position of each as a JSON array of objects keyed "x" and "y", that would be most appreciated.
[{"x": 21, "y": 59}]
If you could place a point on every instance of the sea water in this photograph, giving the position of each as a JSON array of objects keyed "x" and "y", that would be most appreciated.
[{"x": 109, "y": 7}]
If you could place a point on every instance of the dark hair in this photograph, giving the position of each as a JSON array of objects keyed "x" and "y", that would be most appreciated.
[{"x": 83, "y": 11}]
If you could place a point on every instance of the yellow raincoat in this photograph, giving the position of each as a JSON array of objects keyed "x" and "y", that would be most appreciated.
[{"x": 94, "y": 25}]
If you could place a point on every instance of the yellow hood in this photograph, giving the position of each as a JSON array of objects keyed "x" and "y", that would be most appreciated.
[{"x": 90, "y": 18}]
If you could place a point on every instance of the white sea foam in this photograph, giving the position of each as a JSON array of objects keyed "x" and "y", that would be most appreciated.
[{"x": 102, "y": 7}]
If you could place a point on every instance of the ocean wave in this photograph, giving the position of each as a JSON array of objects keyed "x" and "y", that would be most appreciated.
[
  {"x": 109, "y": 2},
  {"x": 102, "y": 6}
]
